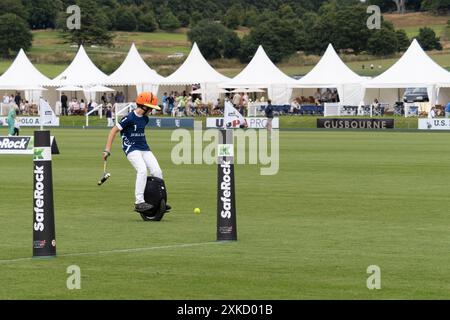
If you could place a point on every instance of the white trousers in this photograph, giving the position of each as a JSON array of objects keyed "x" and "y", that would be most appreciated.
[{"x": 143, "y": 162}]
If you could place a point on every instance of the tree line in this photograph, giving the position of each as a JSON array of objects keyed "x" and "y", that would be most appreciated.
[{"x": 283, "y": 27}]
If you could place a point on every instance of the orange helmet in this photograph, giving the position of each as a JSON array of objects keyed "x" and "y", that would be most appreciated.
[{"x": 148, "y": 99}]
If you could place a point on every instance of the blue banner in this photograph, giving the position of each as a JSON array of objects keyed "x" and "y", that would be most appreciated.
[{"x": 171, "y": 123}]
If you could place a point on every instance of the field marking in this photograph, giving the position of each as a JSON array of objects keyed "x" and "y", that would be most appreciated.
[{"x": 185, "y": 245}]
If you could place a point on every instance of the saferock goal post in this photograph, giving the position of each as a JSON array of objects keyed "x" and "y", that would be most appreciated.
[
  {"x": 41, "y": 146},
  {"x": 226, "y": 202},
  {"x": 44, "y": 241}
]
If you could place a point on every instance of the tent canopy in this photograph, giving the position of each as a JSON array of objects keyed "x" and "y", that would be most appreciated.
[
  {"x": 70, "y": 89},
  {"x": 133, "y": 71},
  {"x": 81, "y": 72},
  {"x": 100, "y": 89},
  {"x": 195, "y": 70},
  {"x": 22, "y": 75},
  {"x": 414, "y": 69},
  {"x": 261, "y": 72},
  {"x": 330, "y": 72}
]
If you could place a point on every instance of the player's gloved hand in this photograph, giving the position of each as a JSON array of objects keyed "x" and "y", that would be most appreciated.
[{"x": 106, "y": 155}]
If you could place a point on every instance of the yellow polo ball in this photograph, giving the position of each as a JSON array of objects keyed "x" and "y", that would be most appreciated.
[{"x": 197, "y": 211}]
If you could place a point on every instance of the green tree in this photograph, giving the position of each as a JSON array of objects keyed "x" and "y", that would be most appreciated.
[
  {"x": 215, "y": 40},
  {"x": 428, "y": 40},
  {"x": 251, "y": 18},
  {"x": 403, "y": 41},
  {"x": 94, "y": 26},
  {"x": 147, "y": 22},
  {"x": 446, "y": 34},
  {"x": 167, "y": 20},
  {"x": 382, "y": 42},
  {"x": 285, "y": 12},
  {"x": 277, "y": 36},
  {"x": 436, "y": 6},
  {"x": 343, "y": 26},
  {"x": 125, "y": 20},
  {"x": 184, "y": 19},
  {"x": 14, "y": 6},
  {"x": 196, "y": 17},
  {"x": 233, "y": 17},
  {"x": 14, "y": 34},
  {"x": 42, "y": 14}
]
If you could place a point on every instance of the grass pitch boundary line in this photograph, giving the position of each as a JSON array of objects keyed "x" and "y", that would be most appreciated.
[{"x": 77, "y": 254}]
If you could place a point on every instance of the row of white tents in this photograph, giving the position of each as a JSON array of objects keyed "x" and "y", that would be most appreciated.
[{"x": 415, "y": 69}]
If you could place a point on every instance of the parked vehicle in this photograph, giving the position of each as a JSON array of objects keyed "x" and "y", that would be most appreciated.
[{"x": 416, "y": 95}]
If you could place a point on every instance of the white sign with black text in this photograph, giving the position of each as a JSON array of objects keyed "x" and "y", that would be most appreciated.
[
  {"x": 32, "y": 121},
  {"x": 252, "y": 123},
  {"x": 434, "y": 124}
]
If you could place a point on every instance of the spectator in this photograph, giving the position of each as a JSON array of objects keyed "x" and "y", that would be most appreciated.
[
  {"x": 245, "y": 99},
  {"x": 269, "y": 114},
  {"x": 5, "y": 99},
  {"x": 236, "y": 100},
  {"x": 91, "y": 106},
  {"x": 432, "y": 113},
  {"x": 216, "y": 107},
  {"x": 318, "y": 97},
  {"x": 109, "y": 117},
  {"x": 121, "y": 97},
  {"x": 27, "y": 107},
  {"x": 82, "y": 107},
  {"x": 22, "y": 107},
  {"x": 165, "y": 100},
  {"x": 11, "y": 120},
  {"x": 64, "y": 105},
  {"x": 190, "y": 109},
  {"x": 171, "y": 102},
  {"x": 447, "y": 110},
  {"x": 334, "y": 96},
  {"x": 104, "y": 100},
  {"x": 198, "y": 106},
  {"x": 18, "y": 99},
  {"x": 295, "y": 106},
  {"x": 17, "y": 127},
  {"x": 375, "y": 106}
]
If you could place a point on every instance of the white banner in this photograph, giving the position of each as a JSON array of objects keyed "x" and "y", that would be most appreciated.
[
  {"x": 253, "y": 123},
  {"x": 434, "y": 124},
  {"x": 47, "y": 115},
  {"x": 32, "y": 122},
  {"x": 232, "y": 117}
]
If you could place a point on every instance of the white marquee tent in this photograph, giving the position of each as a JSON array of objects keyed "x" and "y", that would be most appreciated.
[
  {"x": 135, "y": 72},
  {"x": 262, "y": 73},
  {"x": 23, "y": 76},
  {"x": 415, "y": 69},
  {"x": 195, "y": 70},
  {"x": 82, "y": 72},
  {"x": 332, "y": 72}
]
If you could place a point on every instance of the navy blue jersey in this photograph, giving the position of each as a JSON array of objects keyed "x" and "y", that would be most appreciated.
[
  {"x": 132, "y": 130},
  {"x": 269, "y": 111}
]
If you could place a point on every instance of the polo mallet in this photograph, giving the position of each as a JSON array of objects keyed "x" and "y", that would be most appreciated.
[{"x": 105, "y": 176}]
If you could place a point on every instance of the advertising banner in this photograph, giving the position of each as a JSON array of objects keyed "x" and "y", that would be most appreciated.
[
  {"x": 253, "y": 123},
  {"x": 355, "y": 123},
  {"x": 434, "y": 124}
]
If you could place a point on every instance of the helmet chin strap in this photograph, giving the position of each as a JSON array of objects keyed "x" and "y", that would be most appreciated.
[{"x": 146, "y": 109}]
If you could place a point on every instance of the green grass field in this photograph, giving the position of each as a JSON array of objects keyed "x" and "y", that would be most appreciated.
[{"x": 341, "y": 201}]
